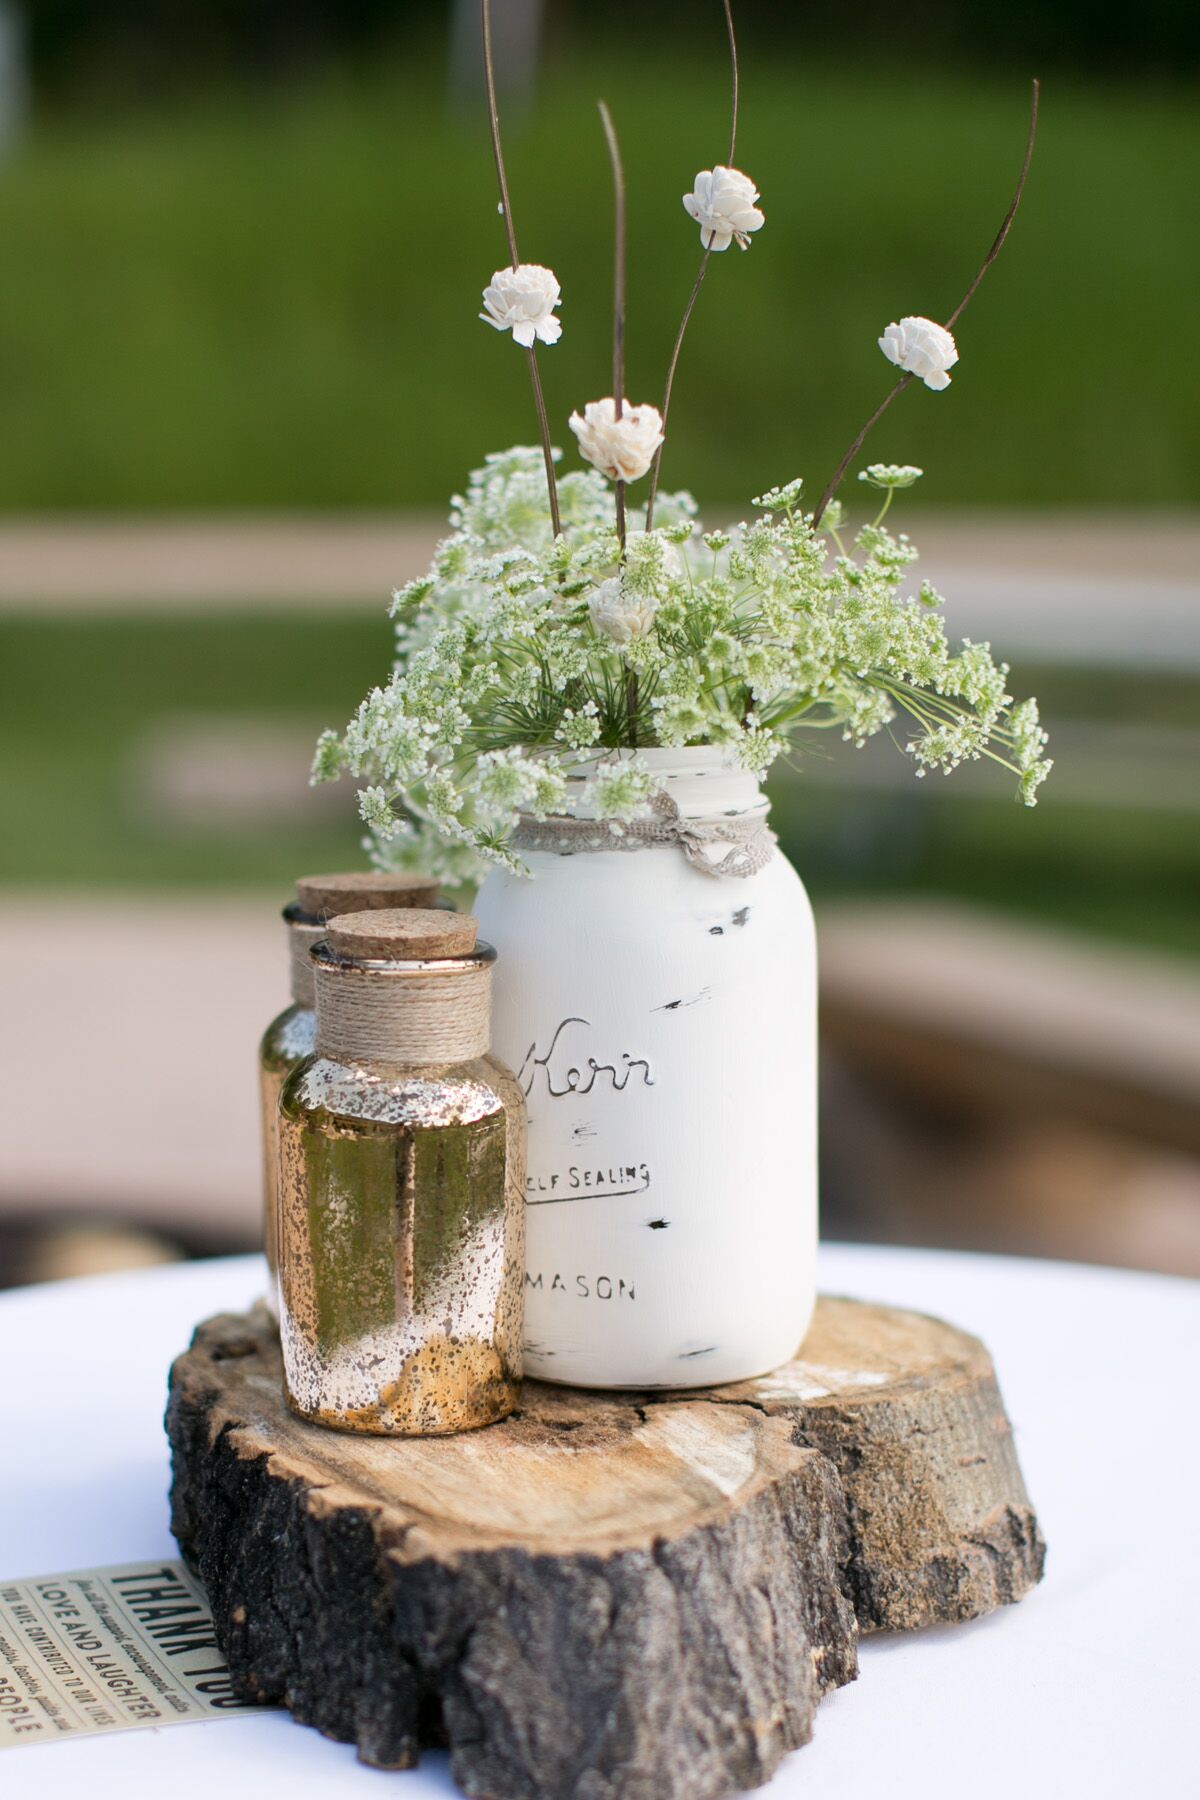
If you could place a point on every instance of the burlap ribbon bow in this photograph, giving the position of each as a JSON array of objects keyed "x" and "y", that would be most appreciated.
[{"x": 750, "y": 841}]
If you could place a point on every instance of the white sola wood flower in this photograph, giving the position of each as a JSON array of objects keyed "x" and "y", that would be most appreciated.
[
  {"x": 618, "y": 614},
  {"x": 522, "y": 300},
  {"x": 623, "y": 448},
  {"x": 722, "y": 202},
  {"x": 920, "y": 347}
]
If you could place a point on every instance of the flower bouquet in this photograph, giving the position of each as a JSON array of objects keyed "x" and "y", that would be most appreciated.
[{"x": 580, "y": 675}]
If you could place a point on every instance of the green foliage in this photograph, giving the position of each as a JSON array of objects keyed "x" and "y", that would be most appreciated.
[{"x": 521, "y": 654}]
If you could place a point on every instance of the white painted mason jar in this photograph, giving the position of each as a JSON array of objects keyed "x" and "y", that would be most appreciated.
[{"x": 662, "y": 1023}]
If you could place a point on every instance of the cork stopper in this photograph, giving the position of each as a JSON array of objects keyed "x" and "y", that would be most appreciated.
[
  {"x": 403, "y": 934},
  {"x": 363, "y": 890}
]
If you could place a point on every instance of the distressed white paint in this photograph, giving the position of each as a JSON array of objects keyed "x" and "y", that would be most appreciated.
[{"x": 663, "y": 1023}]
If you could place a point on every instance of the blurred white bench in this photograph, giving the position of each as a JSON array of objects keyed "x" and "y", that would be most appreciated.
[
  {"x": 999, "y": 1085},
  {"x": 1002, "y": 1015},
  {"x": 127, "y": 1059},
  {"x": 127, "y": 1065}
]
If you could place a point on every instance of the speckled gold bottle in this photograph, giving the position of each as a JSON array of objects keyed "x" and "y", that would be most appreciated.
[
  {"x": 402, "y": 1187},
  {"x": 288, "y": 1039}
]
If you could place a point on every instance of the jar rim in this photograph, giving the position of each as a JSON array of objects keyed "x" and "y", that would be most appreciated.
[{"x": 686, "y": 758}]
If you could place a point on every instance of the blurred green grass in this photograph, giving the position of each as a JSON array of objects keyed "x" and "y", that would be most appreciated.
[
  {"x": 82, "y": 694},
  {"x": 86, "y": 695},
  {"x": 269, "y": 300}
]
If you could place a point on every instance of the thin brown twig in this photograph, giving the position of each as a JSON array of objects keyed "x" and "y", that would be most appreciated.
[
  {"x": 835, "y": 479},
  {"x": 1010, "y": 215},
  {"x": 618, "y": 180},
  {"x": 733, "y": 64},
  {"x": 618, "y": 359},
  {"x": 489, "y": 76},
  {"x": 539, "y": 401},
  {"x": 671, "y": 368},
  {"x": 701, "y": 272},
  {"x": 632, "y": 695},
  {"x": 535, "y": 379}
]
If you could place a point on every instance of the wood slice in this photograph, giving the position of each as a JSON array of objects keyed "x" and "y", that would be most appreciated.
[
  {"x": 908, "y": 1410},
  {"x": 605, "y": 1596}
]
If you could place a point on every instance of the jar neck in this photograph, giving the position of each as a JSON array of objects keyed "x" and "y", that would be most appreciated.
[
  {"x": 705, "y": 781},
  {"x": 406, "y": 1015},
  {"x": 303, "y": 933}
]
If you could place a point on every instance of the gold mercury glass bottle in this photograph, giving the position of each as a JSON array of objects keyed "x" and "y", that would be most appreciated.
[
  {"x": 288, "y": 1039},
  {"x": 402, "y": 1186}
]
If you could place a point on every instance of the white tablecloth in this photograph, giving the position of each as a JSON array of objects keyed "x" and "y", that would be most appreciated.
[{"x": 1088, "y": 1688}]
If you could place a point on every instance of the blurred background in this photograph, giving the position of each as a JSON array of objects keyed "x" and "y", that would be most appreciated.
[{"x": 240, "y": 375}]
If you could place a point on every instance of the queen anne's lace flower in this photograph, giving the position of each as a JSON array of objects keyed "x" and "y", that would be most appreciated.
[
  {"x": 623, "y": 448},
  {"x": 619, "y": 614},
  {"x": 620, "y": 789},
  {"x": 781, "y": 499},
  {"x": 522, "y": 300},
  {"x": 513, "y": 657},
  {"x": 722, "y": 202},
  {"x": 890, "y": 475},
  {"x": 920, "y": 347}
]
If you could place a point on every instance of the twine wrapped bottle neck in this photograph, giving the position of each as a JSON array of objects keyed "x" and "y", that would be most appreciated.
[
  {"x": 302, "y": 935},
  {"x": 410, "y": 1015},
  {"x": 320, "y": 898}
]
